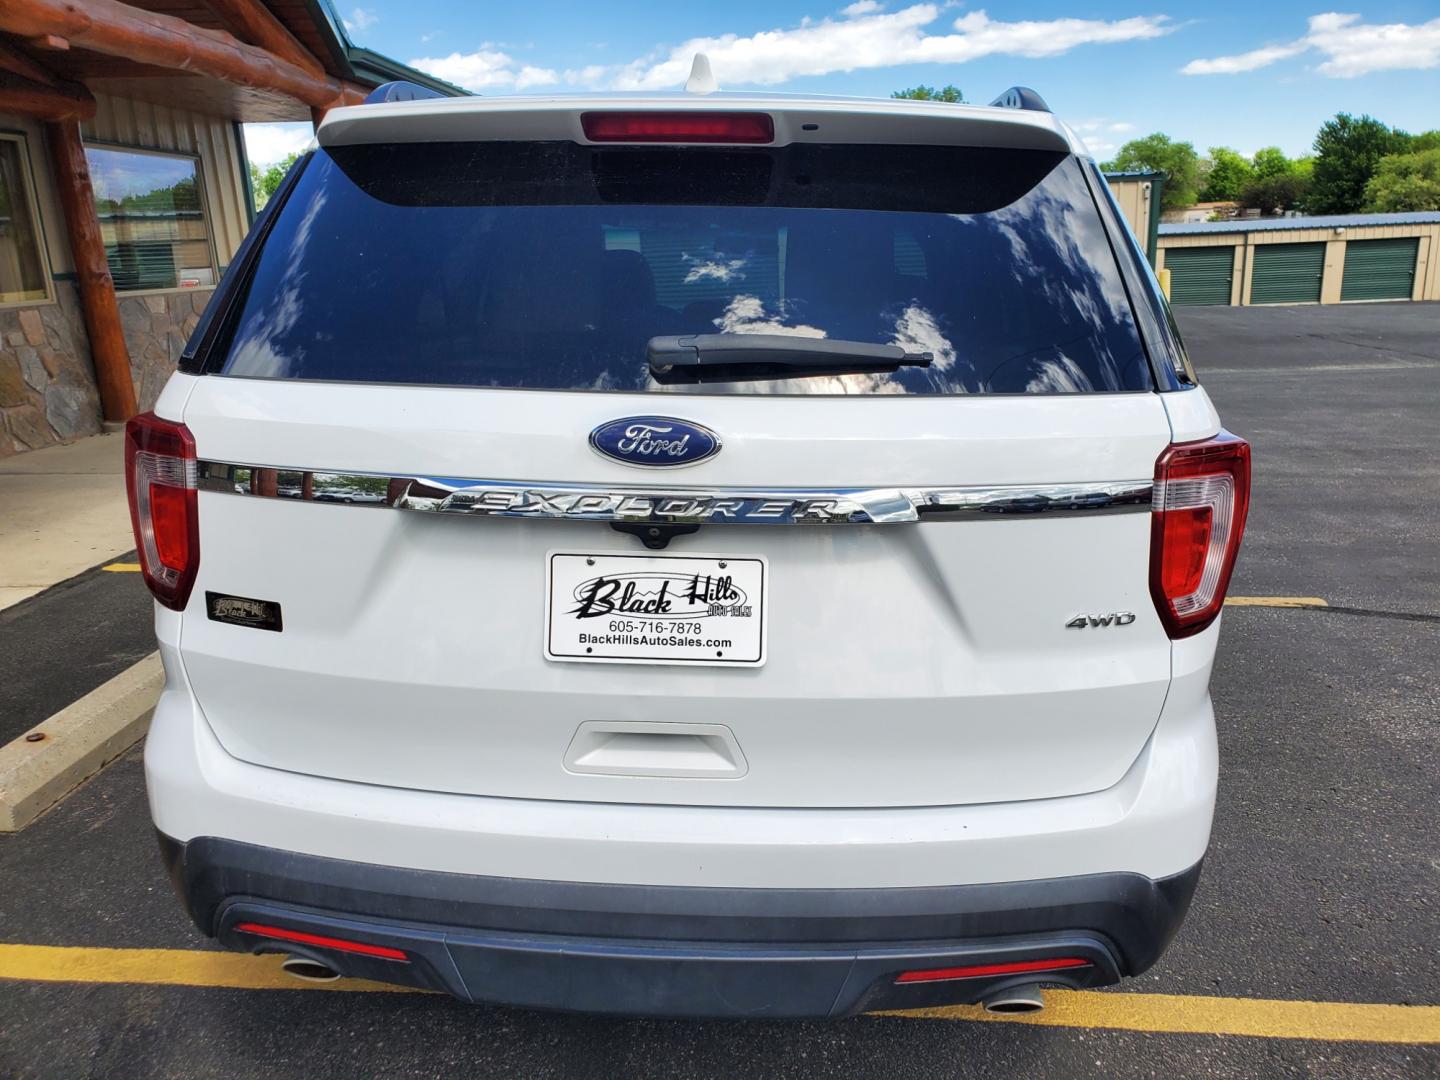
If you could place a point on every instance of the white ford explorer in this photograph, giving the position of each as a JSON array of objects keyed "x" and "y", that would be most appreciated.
[{"x": 695, "y": 555}]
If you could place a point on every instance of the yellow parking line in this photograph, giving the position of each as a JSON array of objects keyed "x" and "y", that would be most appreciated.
[
  {"x": 161, "y": 967},
  {"x": 1275, "y": 601},
  {"x": 1325, "y": 1020},
  {"x": 1331, "y": 1021},
  {"x": 122, "y": 567}
]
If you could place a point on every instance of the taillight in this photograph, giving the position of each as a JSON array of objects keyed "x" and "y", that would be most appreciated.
[
  {"x": 678, "y": 127},
  {"x": 1202, "y": 493},
  {"x": 160, "y": 476}
]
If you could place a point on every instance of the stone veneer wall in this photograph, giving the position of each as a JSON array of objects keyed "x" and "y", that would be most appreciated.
[
  {"x": 47, "y": 383},
  {"x": 47, "y": 386},
  {"x": 156, "y": 328}
]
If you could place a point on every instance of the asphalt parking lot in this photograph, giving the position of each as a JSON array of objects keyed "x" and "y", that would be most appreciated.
[{"x": 1321, "y": 888}]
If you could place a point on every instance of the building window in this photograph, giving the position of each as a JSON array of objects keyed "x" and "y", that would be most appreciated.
[
  {"x": 22, "y": 265},
  {"x": 152, "y": 218}
]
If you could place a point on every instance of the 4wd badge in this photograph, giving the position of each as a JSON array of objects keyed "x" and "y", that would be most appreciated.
[{"x": 1110, "y": 618}]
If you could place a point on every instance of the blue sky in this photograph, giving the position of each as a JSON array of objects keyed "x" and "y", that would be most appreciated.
[{"x": 1240, "y": 74}]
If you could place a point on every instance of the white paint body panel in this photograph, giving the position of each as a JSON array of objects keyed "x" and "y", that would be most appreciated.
[
  {"x": 1192, "y": 416},
  {"x": 907, "y": 665},
  {"x": 1154, "y": 821}
]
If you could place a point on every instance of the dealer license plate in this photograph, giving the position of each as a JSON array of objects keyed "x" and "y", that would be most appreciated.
[{"x": 655, "y": 609}]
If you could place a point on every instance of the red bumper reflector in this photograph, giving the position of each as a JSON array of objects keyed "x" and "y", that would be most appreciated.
[
  {"x": 678, "y": 127},
  {"x": 279, "y": 933},
  {"x": 977, "y": 971}
]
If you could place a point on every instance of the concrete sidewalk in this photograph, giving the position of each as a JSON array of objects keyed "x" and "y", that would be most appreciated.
[{"x": 62, "y": 510}]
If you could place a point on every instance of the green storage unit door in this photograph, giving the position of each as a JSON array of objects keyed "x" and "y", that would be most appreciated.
[
  {"x": 1287, "y": 274},
  {"x": 1380, "y": 269},
  {"x": 1200, "y": 275}
]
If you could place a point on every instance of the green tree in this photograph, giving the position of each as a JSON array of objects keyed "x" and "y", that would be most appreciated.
[
  {"x": 1272, "y": 194},
  {"x": 1177, "y": 160},
  {"x": 1426, "y": 140},
  {"x": 265, "y": 182},
  {"x": 1271, "y": 161},
  {"x": 948, "y": 93},
  {"x": 1229, "y": 173},
  {"x": 1347, "y": 150},
  {"x": 1405, "y": 182}
]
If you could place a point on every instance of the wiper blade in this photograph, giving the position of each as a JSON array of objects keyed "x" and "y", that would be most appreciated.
[{"x": 695, "y": 358}]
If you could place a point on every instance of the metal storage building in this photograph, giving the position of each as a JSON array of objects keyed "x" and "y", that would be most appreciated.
[
  {"x": 1303, "y": 260},
  {"x": 1138, "y": 192}
]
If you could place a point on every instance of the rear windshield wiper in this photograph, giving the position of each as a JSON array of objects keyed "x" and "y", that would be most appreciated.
[{"x": 695, "y": 358}]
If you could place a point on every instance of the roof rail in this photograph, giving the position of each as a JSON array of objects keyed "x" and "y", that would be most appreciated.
[
  {"x": 1021, "y": 97},
  {"x": 400, "y": 91}
]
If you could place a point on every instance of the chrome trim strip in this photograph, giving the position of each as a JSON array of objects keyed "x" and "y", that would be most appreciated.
[{"x": 674, "y": 505}]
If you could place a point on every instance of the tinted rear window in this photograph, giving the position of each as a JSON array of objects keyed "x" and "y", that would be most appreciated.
[{"x": 551, "y": 265}]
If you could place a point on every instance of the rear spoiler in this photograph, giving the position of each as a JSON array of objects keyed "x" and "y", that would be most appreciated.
[{"x": 429, "y": 118}]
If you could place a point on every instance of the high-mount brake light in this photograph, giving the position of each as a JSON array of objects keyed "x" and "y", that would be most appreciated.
[
  {"x": 982, "y": 971},
  {"x": 1202, "y": 494},
  {"x": 160, "y": 478},
  {"x": 678, "y": 127}
]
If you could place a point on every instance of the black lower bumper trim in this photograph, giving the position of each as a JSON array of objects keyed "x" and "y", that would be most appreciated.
[{"x": 670, "y": 950}]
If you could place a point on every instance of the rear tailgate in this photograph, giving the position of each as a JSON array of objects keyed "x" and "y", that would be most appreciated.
[
  {"x": 443, "y": 313},
  {"x": 907, "y": 664}
]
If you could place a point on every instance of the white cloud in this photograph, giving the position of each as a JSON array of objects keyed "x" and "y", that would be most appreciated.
[
  {"x": 720, "y": 269},
  {"x": 1355, "y": 48},
  {"x": 530, "y": 75},
  {"x": 746, "y": 314},
  {"x": 1101, "y": 134},
  {"x": 861, "y": 7},
  {"x": 360, "y": 19},
  {"x": 1247, "y": 61},
  {"x": 487, "y": 68},
  {"x": 266, "y": 144},
  {"x": 1350, "y": 48},
  {"x": 868, "y": 38}
]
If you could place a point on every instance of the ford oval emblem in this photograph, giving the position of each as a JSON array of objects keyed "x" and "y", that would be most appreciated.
[{"x": 659, "y": 441}]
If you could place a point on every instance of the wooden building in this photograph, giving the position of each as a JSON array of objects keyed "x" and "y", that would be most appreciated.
[{"x": 124, "y": 190}]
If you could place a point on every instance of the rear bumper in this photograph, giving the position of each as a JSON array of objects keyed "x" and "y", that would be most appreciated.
[
  {"x": 677, "y": 950},
  {"x": 1154, "y": 823}
]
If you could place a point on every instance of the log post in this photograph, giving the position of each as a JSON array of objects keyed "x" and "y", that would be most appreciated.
[
  {"x": 97, "y": 288},
  {"x": 14, "y": 60},
  {"x": 54, "y": 101},
  {"x": 351, "y": 95},
  {"x": 253, "y": 22},
  {"x": 148, "y": 37}
]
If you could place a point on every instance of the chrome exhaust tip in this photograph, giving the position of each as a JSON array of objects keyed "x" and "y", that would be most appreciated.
[
  {"x": 307, "y": 970},
  {"x": 1015, "y": 1000}
]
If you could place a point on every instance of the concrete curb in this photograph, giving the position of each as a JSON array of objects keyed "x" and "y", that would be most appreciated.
[{"x": 79, "y": 741}]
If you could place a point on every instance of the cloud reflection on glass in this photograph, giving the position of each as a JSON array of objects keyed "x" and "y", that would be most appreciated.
[{"x": 1019, "y": 298}]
